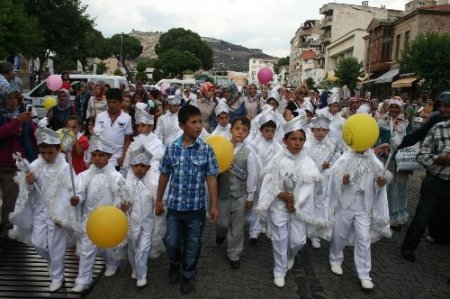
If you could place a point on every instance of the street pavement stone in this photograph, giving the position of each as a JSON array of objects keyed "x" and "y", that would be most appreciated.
[{"x": 310, "y": 278}]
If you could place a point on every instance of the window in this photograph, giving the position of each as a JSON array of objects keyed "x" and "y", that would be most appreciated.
[
  {"x": 386, "y": 48},
  {"x": 397, "y": 46},
  {"x": 406, "y": 42}
]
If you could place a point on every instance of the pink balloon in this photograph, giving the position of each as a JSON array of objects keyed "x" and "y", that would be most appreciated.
[
  {"x": 265, "y": 75},
  {"x": 54, "y": 82},
  {"x": 163, "y": 88}
]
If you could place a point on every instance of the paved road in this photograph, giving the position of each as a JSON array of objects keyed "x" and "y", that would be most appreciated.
[{"x": 310, "y": 278}]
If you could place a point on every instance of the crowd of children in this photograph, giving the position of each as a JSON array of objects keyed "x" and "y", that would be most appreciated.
[{"x": 292, "y": 178}]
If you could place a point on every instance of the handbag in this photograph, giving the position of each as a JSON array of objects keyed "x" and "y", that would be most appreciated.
[{"x": 406, "y": 158}]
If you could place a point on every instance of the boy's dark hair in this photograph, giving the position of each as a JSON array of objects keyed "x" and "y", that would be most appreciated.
[
  {"x": 243, "y": 119},
  {"x": 114, "y": 94},
  {"x": 75, "y": 118},
  {"x": 46, "y": 145},
  {"x": 286, "y": 136},
  {"x": 186, "y": 112},
  {"x": 292, "y": 107},
  {"x": 269, "y": 124}
]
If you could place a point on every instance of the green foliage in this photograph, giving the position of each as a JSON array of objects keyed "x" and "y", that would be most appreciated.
[
  {"x": 181, "y": 40},
  {"x": 427, "y": 57},
  {"x": 19, "y": 32},
  {"x": 348, "y": 70},
  {"x": 281, "y": 62},
  {"x": 157, "y": 75},
  {"x": 101, "y": 68},
  {"x": 141, "y": 66},
  {"x": 310, "y": 83},
  {"x": 118, "y": 72},
  {"x": 141, "y": 77},
  {"x": 174, "y": 62},
  {"x": 131, "y": 46},
  {"x": 326, "y": 84}
]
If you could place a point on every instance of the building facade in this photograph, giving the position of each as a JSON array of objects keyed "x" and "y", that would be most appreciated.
[{"x": 255, "y": 64}]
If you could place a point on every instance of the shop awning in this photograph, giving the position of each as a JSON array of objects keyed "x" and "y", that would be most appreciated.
[
  {"x": 387, "y": 77},
  {"x": 404, "y": 82}
]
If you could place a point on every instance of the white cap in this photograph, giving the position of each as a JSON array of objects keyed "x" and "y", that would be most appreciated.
[
  {"x": 174, "y": 100},
  {"x": 364, "y": 108},
  {"x": 332, "y": 99},
  {"x": 143, "y": 117},
  {"x": 273, "y": 95},
  {"x": 98, "y": 143},
  {"x": 309, "y": 106},
  {"x": 266, "y": 116},
  {"x": 46, "y": 135},
  {"x": 140, "y": 156},
  {"x": 396, "y": 101},
  {"x": 295, "y": 124},
  {"x": 221, "y": 107},
  {"x": 320, "y": 122},
  {"x": 141, "y": 105}
]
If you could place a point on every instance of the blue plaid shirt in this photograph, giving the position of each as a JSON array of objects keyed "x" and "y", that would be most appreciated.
[{"x": 188, "y": 168}]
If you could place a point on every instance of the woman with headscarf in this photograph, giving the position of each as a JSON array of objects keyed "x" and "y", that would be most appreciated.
[
  {"x": 97, "y": 102},
  {"x": 393, "y": 127},
  {"x": 206, "y": 104},
  {"x": 234, "y": 101},
  {"x": 252, "y": 102},
  {"x": 57, "y": 115}
]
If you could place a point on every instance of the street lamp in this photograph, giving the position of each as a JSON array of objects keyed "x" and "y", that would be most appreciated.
[{"x": 121, "y": 47}]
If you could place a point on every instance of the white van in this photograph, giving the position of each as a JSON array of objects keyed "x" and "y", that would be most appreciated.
[
  {"x": 187, "y": 83},
  {"x": 36, "y": 95}
]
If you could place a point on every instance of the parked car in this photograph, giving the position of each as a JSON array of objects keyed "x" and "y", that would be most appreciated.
[
  {"x": 39, "y": 92},
  {"x": 188, "y": 83}
]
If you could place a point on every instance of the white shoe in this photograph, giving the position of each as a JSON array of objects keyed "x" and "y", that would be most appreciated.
[
  {"x": 79, "y": 288},
  {"x": 110, "y": 272},
  {"x": 55, "y": 285},
  {"x": 133, "y": 275},
  {"x": 141, "y": 283},
  {"x": 337, "y": 269},
  {"x": 315, "y": 242},
  {"x": 253, "y": 236},
  {"x": 279, "y": 281},
  {"x": 367, "y": 284},
  {"x": 291, "y": 264},
  {"x": 263, "y": 229}
]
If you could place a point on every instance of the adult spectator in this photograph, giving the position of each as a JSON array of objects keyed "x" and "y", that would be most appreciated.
[
  {"x": 234, "y": 101},
  {"x": 6, "y": 73},
  {"x": 66, "y": 81},
  {"x": 115, "y": 126},
  {"x": 97, "y": 102},
  {"x": 16, "y": 83},
  {"x": 57, "y": 115},
  {"x": 16, "y": 135},
  {"x": 82, "y": 100},
  {"x": 434, "y": 155},
  {"x": 252, "y": 102},
  {"x": 206, "y": 104}
]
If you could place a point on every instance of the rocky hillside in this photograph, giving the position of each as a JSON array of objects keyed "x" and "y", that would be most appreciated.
[{"x": 227, "y": 56}]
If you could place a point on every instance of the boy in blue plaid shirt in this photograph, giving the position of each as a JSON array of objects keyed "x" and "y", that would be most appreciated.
[{"x": 187, "y": 162}]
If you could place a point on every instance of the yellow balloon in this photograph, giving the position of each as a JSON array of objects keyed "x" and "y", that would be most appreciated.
[
  {"x": 223, "y": 150},
  {"x": 107, "y": 226},
  {"x": 360, "y": 131},
  {"x": 49, "y": 102}
]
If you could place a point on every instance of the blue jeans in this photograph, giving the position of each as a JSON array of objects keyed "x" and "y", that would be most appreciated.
[{"x": 183, "y": 239}]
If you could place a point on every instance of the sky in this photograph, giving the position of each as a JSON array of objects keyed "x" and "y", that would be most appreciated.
[{"x": 264, "y": 24}]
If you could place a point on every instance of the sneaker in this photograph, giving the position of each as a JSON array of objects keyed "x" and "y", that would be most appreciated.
[
  {"x": 79, "y": 288},
  {"x": 430, "y": 239},
  {"x": 253, "y": 239},
  {"x": 187, "y": 285},
  {"x": 408, "y": 255},
  {"x": 367, "y": 284},
  {"x": 337, "y": 269},
  {"x": 315, "y": 242},
  {"x": 55, "y": 285},
  {"x": 235, "y": 264},
  {"x": 174, "y": 273},
  {"x": 263, "y": 229},
  {"x": 110, "y": 272},
  {"x": 279, "y": 281},
  {"x": 141, "y": 283},
  {"x": 133, "y": 275},
  {"x": 291, "y": 264},
  {"x": 219, "y": 240}
]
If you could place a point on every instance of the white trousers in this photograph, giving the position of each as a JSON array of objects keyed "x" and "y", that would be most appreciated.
[
  {"x": 288, "y": 236},
  {"x": 344, "y": 219},
  {"x": 50, "y": 242},
  {"x": 138, "y": 253},
  {"x": 88, "y": 252},
  {"x": 255, "y": 223}
]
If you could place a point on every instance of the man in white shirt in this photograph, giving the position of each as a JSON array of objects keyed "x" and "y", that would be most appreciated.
[{"x": 115, "y": 126}]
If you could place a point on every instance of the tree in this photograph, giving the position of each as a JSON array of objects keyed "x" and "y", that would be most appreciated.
[
  {"x": 181, "y": 39},
  {"x": 101, "y": 68},
  {"x": 427, "y": 56},
  {"x": 61, "y": 23},
  {"x": 19, "y": 32},
  {"x": 157, "y": 75},
  {"x": 281, "y": 62},
  {"x": 118, "y": 72},
  {"x": 129, "y": 46},
  {"x": 310, "y": 83},
  {"x": 93, "y": 44},
  {"x": 348, "y": 70},
  {"x": 174, "y": 62}
]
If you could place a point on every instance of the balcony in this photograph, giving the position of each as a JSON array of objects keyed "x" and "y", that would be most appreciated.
[{"x": 326, "y": 22}]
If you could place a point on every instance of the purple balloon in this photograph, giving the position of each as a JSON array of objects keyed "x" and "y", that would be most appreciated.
[
  {"x": 265, "y": 75},
  {"x": 164, "y": 87},
  {"x": 54, "y": 82}
]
